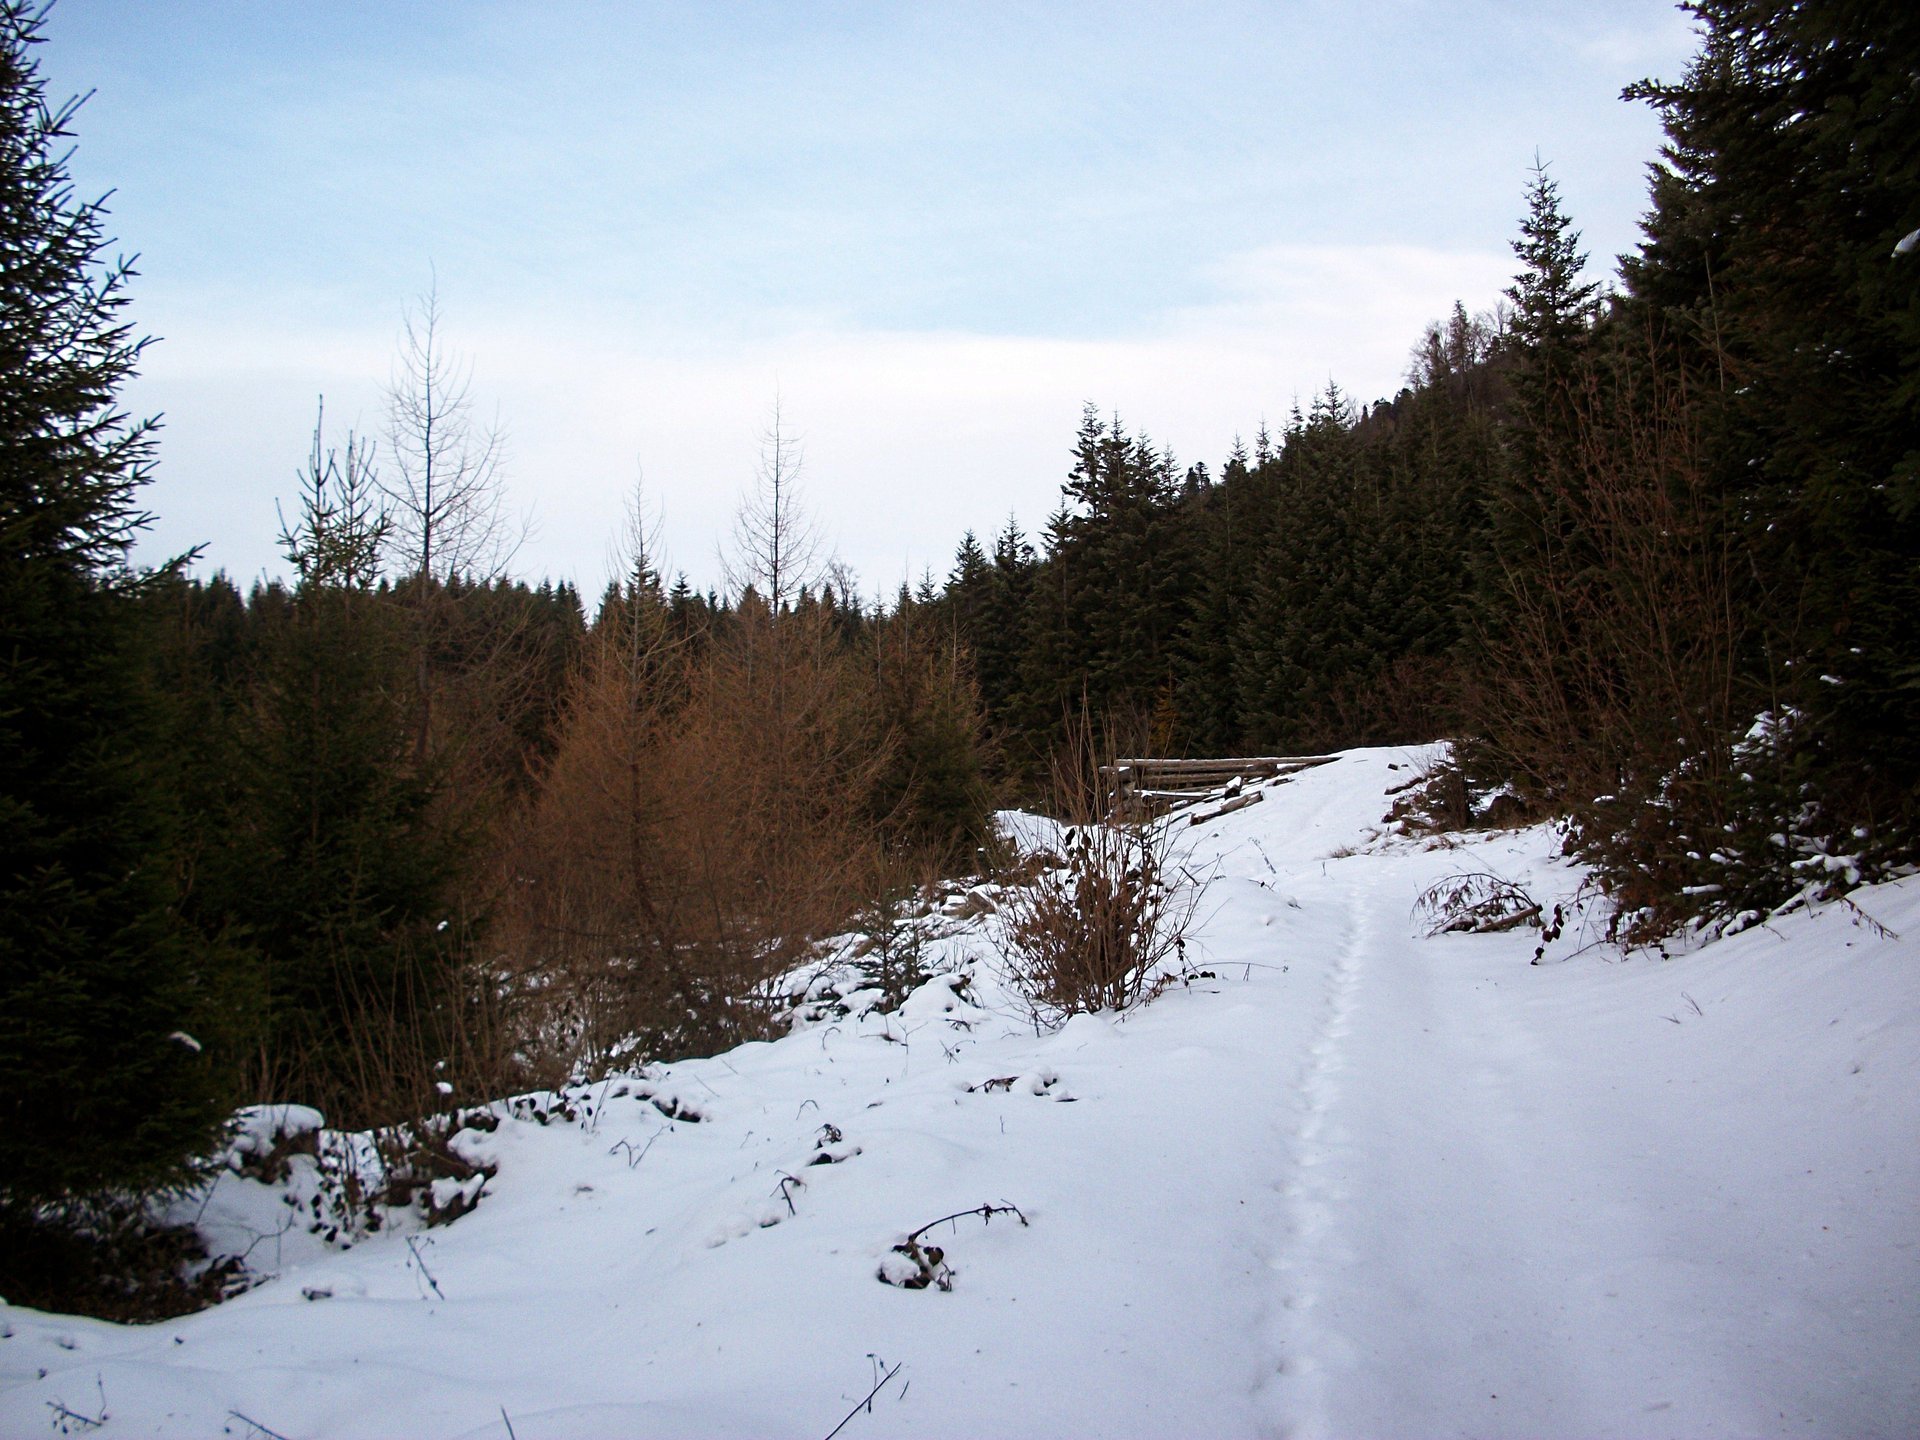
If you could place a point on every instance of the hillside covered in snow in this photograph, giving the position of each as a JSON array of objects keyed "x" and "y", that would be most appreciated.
[{"x": 1342, "y": 1177}]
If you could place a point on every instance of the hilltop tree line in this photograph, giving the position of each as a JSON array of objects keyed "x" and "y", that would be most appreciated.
[
  {"x": 1649, "y": 551},
  {"x": 402, "y": 827}
]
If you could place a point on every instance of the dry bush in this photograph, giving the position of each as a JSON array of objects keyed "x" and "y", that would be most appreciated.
[
  {"x": 1612, "y": 691},
  {"x": 779, "y": 759},
  {"x": 698, "y": 826},
  {"x": 1477, "y": 902},
  {"x": 1093, "y": 931},
  {"x": 583, "y": 884}
]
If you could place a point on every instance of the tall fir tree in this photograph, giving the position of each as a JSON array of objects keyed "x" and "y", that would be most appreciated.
[
  {"x": 346, "y": 870},
  {"x": 1790, "y": 173},
  {"x": 1553, "y": 312},
  {"x": 104, "y": 1079}
]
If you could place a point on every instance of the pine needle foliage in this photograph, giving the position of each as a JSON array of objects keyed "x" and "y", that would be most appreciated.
[{"x": 103, "y": 1079}]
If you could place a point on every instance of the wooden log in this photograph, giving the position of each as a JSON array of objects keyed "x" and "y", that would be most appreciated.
[
  {"x": 1237, "y": 764},
  {"x": 1144, "y": 783},
  {"x": 1239, "y": 802}
]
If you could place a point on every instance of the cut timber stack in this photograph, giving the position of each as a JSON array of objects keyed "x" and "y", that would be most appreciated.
[{"x": 1139, "y": 788}]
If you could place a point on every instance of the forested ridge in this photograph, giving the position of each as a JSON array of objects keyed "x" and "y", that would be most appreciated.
[
  {"x": 1647, "y": 548},
  {"x": 404, "y": 827}
]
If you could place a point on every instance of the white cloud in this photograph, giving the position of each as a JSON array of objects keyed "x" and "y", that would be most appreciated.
[{"x": 911, "y": 438}]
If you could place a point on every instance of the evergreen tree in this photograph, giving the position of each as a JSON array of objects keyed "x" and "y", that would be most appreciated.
[
  {"x": 1122, "y": 534},
  {"x": 1540, "y": 571},
  {"x": 103, "y": 1078},
  {"x": 998, "y": 635},
  {"x": 1792, "y": 168},
  {"x": 1302, "y": 624},
  {"x": 967, "y": 586},
  {"x": 343, "y": 871},
  {"x": 1553, "y": 312}
]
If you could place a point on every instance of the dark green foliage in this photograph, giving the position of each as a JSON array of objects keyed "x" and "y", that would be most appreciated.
[
  {"x": 1553, "y": 315},
  {"x": 103, "y": 988},
  {"x": 108, "y": 1258},
  {"x": 348, "y": 872},
  {"x": 1792, "y": 170},
  {"x": 930, "y": 797},
  {"x": 1314, "y": 595}
]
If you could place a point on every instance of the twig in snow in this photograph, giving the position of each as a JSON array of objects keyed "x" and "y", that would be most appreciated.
[
  {"x": 930, "y": 1261},
  {"x": 634, "y": 1157},
  {"x": 257, "y": 1427},
  {"x": 985, "y": 1212},
  {"x": 507, "y": 1420},
  {"x": 413, "y": 1245},
  {"x": 786, "y": 1193},
  {"x": 599, "y": 1105},
  {"x": 64, "y": 1418},
  {"x": 1881, "y": 930},
  {"x": 866, "y": 1401}
]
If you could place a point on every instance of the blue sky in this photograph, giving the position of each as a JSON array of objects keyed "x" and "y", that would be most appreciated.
[{"x": 932, "y": 231}]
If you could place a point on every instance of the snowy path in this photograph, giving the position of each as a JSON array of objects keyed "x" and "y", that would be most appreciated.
[
  {"x": 1511, "y": 1219},
  {"x": 1357, "y": 1183}
]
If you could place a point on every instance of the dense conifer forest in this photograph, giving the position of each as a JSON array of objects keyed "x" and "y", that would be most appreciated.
[{"x": 405, "y": 827}]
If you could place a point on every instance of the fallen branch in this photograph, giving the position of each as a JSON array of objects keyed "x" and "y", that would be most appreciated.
[
  {"x": 930, "y": 1261},
  {"x": 421, "y": 1260},
  {"x": 1479, "y": 902},
  {"x": 64, "y": 1418},
  {"x": 866, "y": 1402},
  {"x": 257, "y": 1427}
]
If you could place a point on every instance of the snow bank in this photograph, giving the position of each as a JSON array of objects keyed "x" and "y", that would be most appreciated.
[{"x": 1346, "y": 1180}]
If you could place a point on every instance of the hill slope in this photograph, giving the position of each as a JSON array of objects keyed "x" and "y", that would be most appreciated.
[{"x": 1353, "y": 1182}]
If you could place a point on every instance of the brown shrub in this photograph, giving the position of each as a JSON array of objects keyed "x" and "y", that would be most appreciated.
[{"x": 1094, "y": 931}]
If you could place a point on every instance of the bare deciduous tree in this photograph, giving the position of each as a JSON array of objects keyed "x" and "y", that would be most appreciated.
[
  {"x": 445, "y": 481},
  {"x": 775, "y": 546},
  {"x": 445, "y": 495}
]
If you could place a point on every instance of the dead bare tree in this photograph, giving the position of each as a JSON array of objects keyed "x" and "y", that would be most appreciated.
[
  {"x": 445, "y": 480},
  {"x": 775, "y": 546},
  {"x": 446, "y": 498}
]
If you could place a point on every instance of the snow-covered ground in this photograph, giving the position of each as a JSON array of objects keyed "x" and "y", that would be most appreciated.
[{"x": 1357, "y": 1183}]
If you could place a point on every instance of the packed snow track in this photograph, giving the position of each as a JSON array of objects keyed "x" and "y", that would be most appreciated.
[{"x": 1346, "y": 1180}]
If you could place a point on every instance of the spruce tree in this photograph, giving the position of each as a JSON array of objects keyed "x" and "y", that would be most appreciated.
[
  {"x": 1790, "y": 173},
  {"x": 1552, "y": 315},
  {"x": 346, "y": 864},
  {"x": 104, "y": 1082}
]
